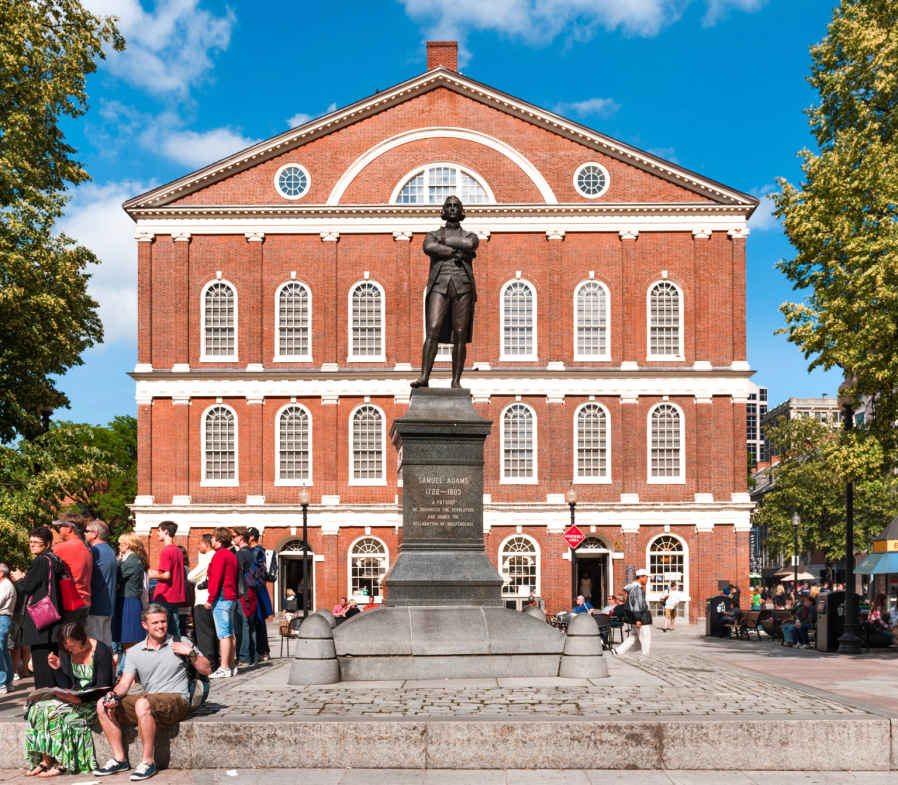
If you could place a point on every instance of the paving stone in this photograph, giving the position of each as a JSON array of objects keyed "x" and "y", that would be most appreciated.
[{"x": 525, "y": 777}]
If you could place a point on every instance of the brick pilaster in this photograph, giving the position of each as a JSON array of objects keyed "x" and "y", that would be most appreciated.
[
  {"x": 555, "y": 344},
  {"x": 632, "y": 301},
  {"x": 738, "y": 294},
  {"x": 254, "y": 330},
  {"x": 180, "y": 289},
  {"x": 144, "y": 299}
]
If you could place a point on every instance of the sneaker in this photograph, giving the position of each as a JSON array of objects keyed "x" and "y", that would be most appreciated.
[
  {"x": 3, "y": 689},
  {"x": 112, "y": 766},
  {"x": 234, "y": 671},
  {"x": 16, "y": 677},
  {"x": 221, "y": 673},
  {"x": 144, "y": 771}
]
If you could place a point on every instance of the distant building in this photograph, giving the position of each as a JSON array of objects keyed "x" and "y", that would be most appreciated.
[
  {"x": 758, "y": 449},
  {"x": 824, "y": 409}
]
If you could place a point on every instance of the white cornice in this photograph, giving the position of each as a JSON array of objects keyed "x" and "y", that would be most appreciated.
[{"x": 438, "y": 77}]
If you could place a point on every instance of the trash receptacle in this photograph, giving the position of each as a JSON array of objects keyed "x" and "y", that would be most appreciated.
[
  {"x": 716, "y": 610},
  {"x": 830, "y": 620}
]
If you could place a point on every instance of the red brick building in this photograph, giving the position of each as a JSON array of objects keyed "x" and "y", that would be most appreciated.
[{"x": 281, "y": 319}]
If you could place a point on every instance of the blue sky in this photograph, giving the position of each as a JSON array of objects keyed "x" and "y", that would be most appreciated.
[{"x": 717, "y": 86}]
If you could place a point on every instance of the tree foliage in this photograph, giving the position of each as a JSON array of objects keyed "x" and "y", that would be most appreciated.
[
  {"x": 842, "y": 219},
  {"x": 815, "y": 465},
  {"x": 91, "y": 469},
  {"x": 47, "y": 318}
]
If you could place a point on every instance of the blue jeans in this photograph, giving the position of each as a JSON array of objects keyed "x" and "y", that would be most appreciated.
[
  {"x": 246, "y": 636},
  {"x": 796, "y": 633},
  {"x": 5, "y": 659}
]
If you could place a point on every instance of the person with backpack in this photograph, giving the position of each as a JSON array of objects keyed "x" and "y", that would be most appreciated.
[
  {"x": 264, "y": 607},
  {"x": 249, "y": 599},
  {"x": 222, "y": 600}
]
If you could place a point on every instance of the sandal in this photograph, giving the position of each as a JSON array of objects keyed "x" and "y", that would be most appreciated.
[
  {"x": 39, "y": 769},
  {"x": 53, "y": 771}
]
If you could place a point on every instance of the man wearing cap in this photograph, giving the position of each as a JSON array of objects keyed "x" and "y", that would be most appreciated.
[
  {"x": 77, "y": 557},
  {"x": 639, "y": 610},
  {"x": 263, "y": 607}
]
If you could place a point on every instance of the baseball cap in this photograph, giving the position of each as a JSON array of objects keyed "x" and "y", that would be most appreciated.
[
  {"x": 640, "y": 573},
  {"x": 253, "y": 532},
  {"x": 60, "y": 524}
]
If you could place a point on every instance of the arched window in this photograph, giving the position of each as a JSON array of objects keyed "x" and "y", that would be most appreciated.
[
  {"x": 368, "y": 563},
  {"x": 668, "y": 563},
  {"x": 433, "y": 183},
  {"x": 591, "y": 321},
  {"x": 518, "y": 321},
  {"x": 665, "y": 317},
  {"x": 294, "y": 446},
  {"x": 219, "y": 322},
  {"x": 219, "y": 458},
  {"x": 293, "y": 313},
  {"x": 519, "y": 566},
  {"x": 518, "y": 444},
  {"x": 593, "y": 445},
  {"x": 366, "y": 322},
  {"x": 366, "y": 446},
  {"x": 666, "y": 444}
]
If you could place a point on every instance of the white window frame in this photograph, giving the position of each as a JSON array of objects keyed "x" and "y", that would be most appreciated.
[
  {"x": 218, "y": 358},
  {"x": 585, "y": 479},
  {"x": 382, "y": 480},
  {"x": 680, "y": 479},
  {"x": 352, "y": 545},
  {"x": 291, "y": 358},
  {"x": 680, "y": 355},
  {"x": 538, "y": 555},
  {"x": 490, "y": 197},
  {"x": 684, "y": 582},
  {"x": 583, "y": 355},
  {"x": 532, "y": 479},
  {"x": 442, "y": 356},
  {"x": 534, "y": 356},
  {"x": 599, "y": 166},
  {"x": 277, "y": 447},
  {"x": 204, "y": 481},
  {"x": 277, "y": 177},
  {"x": 367, "y": 358}
]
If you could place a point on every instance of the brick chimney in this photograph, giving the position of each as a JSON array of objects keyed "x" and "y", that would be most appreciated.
[{"x": 442, "y": 53}]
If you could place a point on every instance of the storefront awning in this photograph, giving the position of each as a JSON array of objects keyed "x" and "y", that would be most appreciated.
[{"x": 878, "y": 564}]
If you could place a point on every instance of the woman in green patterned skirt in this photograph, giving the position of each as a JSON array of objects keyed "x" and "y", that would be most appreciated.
[{"x": 58, "y": 739}]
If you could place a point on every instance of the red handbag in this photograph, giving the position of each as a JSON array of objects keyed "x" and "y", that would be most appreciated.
[{"x": 44, "y": 613}]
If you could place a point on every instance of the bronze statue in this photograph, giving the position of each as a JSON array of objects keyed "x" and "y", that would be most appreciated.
[{"x": 451, "y": 293}]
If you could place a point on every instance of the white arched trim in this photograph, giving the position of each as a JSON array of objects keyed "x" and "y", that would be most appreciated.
[
  {"x": 490, "y": 196},
  {"x": 367, "y": 358},
  {"x": 217, "y": 358},
  {"x": 277, "y": 445},
  {"x": 537, "y": 556},
  {"x": 590, "y": 479},
  {"x": 382, "y": 480},
  {"x": 530, "y": 479},
  {"x": 578, "y": 355},
  {"x": 442, "y": 133},
  {"x": 230, "y": 483},
  {"x": 286, "y": 358},
  {"x": 534, "y": 322},
  {"x": 680, "y": 479},
  {"x": 684, "y": 582},
  {"x": 648, "y": 324},
  {"x": 349, "y": 560}
]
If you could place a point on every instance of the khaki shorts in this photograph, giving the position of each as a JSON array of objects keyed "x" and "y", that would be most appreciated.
[{"x": 167, "y": 708}]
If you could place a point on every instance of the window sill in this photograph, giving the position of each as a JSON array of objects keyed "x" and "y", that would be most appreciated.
[
  {"x": 666, "y": 481},
  {"x": 519, "y": 481},
  {"x": 381, "y": 358},
  {"x": 592, "y": 481},
  {"x": 293, "y": 483},
  {"x": 305, "y": 358},
  {"x": 204, "y": 358},
  {"x": 518, "y": 358},
  {"x": 665, "y": 358},
  {"x": 369, "y": 483},
  {"x": 597, "y": 358},
  {"x": 219, "y": 483}
]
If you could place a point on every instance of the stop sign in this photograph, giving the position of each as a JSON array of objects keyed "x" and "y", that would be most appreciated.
[{"x": 573, "y": 536}]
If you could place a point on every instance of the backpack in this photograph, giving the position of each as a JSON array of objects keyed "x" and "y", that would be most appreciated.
[
  {"x": 256, "y": 573},
  {"x": 271, "y": 574}
]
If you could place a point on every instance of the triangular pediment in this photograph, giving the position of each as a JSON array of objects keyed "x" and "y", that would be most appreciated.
[{"x": 440, "y": 77}]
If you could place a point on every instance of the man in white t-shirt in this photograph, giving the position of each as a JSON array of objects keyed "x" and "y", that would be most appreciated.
[{"x": 671, "y": 602}]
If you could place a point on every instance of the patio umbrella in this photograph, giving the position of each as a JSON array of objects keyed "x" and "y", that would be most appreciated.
[{"x": 802, "y": 576}]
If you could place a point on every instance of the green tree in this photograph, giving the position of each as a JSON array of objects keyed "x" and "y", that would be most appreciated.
[
  {"x": 815, "y": 463},
  {"x": 88, "y": 468},
  {"x": 47, "y": 318},
  {"x": 842, "y": 219}
]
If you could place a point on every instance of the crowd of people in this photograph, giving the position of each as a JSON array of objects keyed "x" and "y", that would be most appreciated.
[{"x": 89, "y": 623}]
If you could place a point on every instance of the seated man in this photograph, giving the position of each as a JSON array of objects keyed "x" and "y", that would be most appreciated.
[
  {"x": 582, "y": 606},
  {"x": 160, "y": 663},
  {"x": 796, "y": 632}
]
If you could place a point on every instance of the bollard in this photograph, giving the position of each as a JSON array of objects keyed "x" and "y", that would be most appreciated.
[
  {"x": 582, "y": 656},
  {"x": 324, "y": 612},
  {"x": 315, "y": 661}
]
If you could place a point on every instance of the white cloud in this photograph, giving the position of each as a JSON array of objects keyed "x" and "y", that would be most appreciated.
[
  {"x": 667, "y": 153},
  {"x": 589, "y": 106},
  {"x": 301, "y": 118},
  {"x": 196, "y": 149},
  {"x": 96, "y": 220},
  {"x": 540, "y": 21},
  {"x": 763, "y": 217},
  {"x": 169, "y": 48}
]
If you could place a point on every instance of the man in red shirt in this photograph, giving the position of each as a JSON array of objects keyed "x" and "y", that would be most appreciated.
[
  {"x": 169, "y": 577},
  {"x": 77, "y": 557},
  {"x": 222, "y": 600}
]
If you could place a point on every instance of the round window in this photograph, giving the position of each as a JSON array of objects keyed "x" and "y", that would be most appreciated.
[
  {"x": 291, "y": 181},
  {"x": 591, "y": 180}
]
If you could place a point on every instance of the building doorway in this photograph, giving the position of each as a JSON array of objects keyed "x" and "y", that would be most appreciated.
[
  {"x": 592, "y": 572},
  {"x": 291, "y": 575}
]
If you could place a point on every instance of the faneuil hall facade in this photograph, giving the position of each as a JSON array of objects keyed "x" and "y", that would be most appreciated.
[{"x": 281, "y": 298}]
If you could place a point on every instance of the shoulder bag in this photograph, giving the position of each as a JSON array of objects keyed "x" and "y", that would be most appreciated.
[{"x": 44, "y": 613}]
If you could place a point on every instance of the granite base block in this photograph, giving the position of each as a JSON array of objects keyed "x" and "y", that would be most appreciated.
[{"x": 472, "y": 666}]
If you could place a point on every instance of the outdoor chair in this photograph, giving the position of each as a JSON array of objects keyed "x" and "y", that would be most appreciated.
[{"x": 289, "y": 631}]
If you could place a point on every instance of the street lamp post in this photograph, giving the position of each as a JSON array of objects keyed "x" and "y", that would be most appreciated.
[
  {"x": 571, "y": 498},
  {"x": 850, "y": 642},
  {"x": 304, "y": 499},
  {"x": 796, "y": 522}
]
